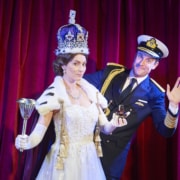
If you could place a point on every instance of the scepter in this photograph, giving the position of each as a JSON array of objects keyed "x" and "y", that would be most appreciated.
[{"x": 26, "y": 108}]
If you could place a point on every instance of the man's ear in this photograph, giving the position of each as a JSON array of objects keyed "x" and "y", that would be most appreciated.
[{"x": 155, "y": 65}]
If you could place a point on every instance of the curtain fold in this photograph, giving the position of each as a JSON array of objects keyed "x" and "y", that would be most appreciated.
[{"x": 27, "y": 42}]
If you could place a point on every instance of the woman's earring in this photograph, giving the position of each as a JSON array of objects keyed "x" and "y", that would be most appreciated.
[{"x": 64, "y": 71}]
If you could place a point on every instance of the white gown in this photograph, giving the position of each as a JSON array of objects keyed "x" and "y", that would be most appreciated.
[{"x": 82, "y": 162}]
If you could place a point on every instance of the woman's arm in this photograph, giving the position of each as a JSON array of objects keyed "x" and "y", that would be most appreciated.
[{"x": 28, "y": 142}]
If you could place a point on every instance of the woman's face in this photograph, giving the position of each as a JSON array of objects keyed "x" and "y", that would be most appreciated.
[
  {"x": 76, "y": 68},
  {"x": 143, "y": 64}
]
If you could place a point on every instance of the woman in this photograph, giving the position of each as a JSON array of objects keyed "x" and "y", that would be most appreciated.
[{"x": 75, "y": 107}]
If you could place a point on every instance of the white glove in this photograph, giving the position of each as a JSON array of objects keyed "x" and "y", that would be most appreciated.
[
  {"x": 115, "y": 122},
  {"x": 118, "y": 121},
  {"x": 28, "y": 142}
]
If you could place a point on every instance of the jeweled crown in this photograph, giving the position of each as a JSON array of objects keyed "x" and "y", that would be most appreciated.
[{"x": 72, "y": 38}]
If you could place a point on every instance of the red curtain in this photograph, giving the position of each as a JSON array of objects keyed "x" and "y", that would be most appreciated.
[{"x": 27, "y": 43}]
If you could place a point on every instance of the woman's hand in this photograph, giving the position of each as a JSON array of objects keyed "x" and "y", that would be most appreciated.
[
  {"x": 29, "y": 142},
  {"x": 21, "y": 142},
  {"x": 118, "y": 121}
]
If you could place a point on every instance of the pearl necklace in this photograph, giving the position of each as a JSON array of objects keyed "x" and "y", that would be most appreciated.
[
  {"x": 74, "y": 97},
  {"x": 69, "y": 92}
]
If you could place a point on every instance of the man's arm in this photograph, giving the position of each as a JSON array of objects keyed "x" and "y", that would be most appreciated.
[
  {"x": 98, "y": 78},
  {"x": 171, "y": 119},
  {"x": 95, "y": 78}
]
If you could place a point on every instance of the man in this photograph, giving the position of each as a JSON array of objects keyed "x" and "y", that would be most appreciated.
[{"x": 146, "y": 98}]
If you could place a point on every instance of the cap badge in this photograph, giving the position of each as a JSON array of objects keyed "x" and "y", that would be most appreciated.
[{"x": 151, "y": 43}]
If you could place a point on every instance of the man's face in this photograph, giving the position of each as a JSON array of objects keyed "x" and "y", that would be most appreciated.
[{"x": 143, "y": 64}]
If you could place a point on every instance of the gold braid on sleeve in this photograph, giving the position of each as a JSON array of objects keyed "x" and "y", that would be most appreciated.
[{"x": 170, "y": 121}]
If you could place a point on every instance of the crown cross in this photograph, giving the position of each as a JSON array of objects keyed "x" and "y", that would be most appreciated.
[{"x": 72, "y": 16}]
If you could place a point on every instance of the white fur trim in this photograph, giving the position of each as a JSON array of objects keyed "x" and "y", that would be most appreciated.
[{"x": 45, "y": 104}]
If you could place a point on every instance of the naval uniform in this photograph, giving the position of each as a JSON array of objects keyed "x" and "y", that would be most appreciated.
[{"x": 146, "y": 99}]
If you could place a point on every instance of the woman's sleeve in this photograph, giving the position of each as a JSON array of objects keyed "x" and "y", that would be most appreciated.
[{"x": 48, "y": 101}]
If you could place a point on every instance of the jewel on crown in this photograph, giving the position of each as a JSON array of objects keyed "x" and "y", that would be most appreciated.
[{"x": 72, "y": 38}]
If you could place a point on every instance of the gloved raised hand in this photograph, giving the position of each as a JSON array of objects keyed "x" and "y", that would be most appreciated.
[{"x": 28, "y": 142}]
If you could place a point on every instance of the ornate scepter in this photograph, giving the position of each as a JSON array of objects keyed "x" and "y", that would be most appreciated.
[{"x": 26, "y": 108}]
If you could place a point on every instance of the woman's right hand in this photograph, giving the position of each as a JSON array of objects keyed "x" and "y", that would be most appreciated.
[
  {"x": 21, "y": 141},
  {"x": 28, "y": 142}
]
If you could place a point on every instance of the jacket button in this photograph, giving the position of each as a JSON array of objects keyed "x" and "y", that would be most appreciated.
[{"x": 107, "y": 141}]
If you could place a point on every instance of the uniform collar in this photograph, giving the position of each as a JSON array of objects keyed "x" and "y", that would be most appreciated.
[{"x": 139, "y": 79}]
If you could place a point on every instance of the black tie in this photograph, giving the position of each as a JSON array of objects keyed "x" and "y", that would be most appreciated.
[{"x": 128, "y": 90}]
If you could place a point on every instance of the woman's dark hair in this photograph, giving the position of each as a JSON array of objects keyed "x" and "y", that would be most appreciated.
[{"x": 62, "y": 59}]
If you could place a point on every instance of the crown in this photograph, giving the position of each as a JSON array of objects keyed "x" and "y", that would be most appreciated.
[{"x": 72, "y": 38}]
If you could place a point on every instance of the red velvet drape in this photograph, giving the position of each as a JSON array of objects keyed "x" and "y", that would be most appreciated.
[{"x": 27, "y": 43}]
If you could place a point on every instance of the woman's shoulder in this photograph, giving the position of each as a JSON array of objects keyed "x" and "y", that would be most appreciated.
[{"x": 93, "y": 93}]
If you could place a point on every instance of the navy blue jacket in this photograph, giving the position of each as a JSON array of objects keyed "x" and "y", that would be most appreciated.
[{"x": 147, "y": 99}]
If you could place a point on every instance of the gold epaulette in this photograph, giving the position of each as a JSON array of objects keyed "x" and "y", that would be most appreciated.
[
  {"x": 111, "y": 75},
  {"x": 115, "y": 64},
  {"x": 159, "y": 86}
]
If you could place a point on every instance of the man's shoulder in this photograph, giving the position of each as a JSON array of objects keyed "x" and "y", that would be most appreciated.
[
  {"x": 113, "y": 65},
  {"x": 111, "y": 71},
  {"x": 114, "y": 68},
  {"x": 157, "y": 85}
]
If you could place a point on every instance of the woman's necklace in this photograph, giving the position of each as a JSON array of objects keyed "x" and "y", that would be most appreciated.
[
  {"x": 77, "y": 97},
  {"x": 72, "y": 96}
]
